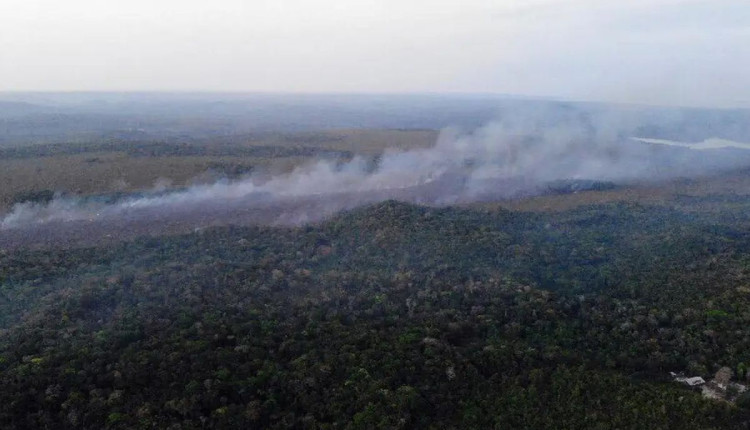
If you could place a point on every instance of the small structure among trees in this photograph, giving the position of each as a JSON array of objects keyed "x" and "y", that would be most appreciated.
[
  {"x": 689, "y": 381},
  {"x": 722, "y": 387}
]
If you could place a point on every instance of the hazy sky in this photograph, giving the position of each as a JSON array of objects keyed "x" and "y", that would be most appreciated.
[{"x": 648, "y": 51}]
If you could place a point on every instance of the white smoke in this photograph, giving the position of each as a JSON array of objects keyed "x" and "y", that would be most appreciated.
[{"x": 513, "y": 157}]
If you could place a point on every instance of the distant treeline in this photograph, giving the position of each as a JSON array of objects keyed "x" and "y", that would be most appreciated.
[{"x": 175, "y": 148}]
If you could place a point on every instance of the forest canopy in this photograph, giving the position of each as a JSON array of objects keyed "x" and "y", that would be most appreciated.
[{"x": 389, "y": 316}]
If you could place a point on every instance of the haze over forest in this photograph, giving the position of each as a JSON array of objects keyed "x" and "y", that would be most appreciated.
[
  {"x": 484, "y": 148},
  {"x": 375, "y": 214}
]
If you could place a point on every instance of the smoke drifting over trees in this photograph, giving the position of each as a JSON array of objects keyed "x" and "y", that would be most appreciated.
[{"x": 518, "y": 155}]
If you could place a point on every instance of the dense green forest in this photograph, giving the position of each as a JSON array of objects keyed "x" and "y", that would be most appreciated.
[{"x": 389, "y": 316}]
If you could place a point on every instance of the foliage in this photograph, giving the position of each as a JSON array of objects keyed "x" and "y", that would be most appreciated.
[
  {"x": 41, "y": 196},
  {"x": 391, "y": 316}
]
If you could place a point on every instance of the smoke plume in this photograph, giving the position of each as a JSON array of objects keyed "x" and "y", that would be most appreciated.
[{"x": 514, "y": 157}]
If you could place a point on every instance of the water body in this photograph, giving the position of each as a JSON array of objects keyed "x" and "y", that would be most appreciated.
[{"x": 713, "y": 143}]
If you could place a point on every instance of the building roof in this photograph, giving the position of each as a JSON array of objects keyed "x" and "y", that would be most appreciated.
[{"x": 695, "y": 380}]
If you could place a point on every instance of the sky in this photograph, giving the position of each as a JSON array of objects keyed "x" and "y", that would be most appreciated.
[{"x": 664, "y": 52}]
